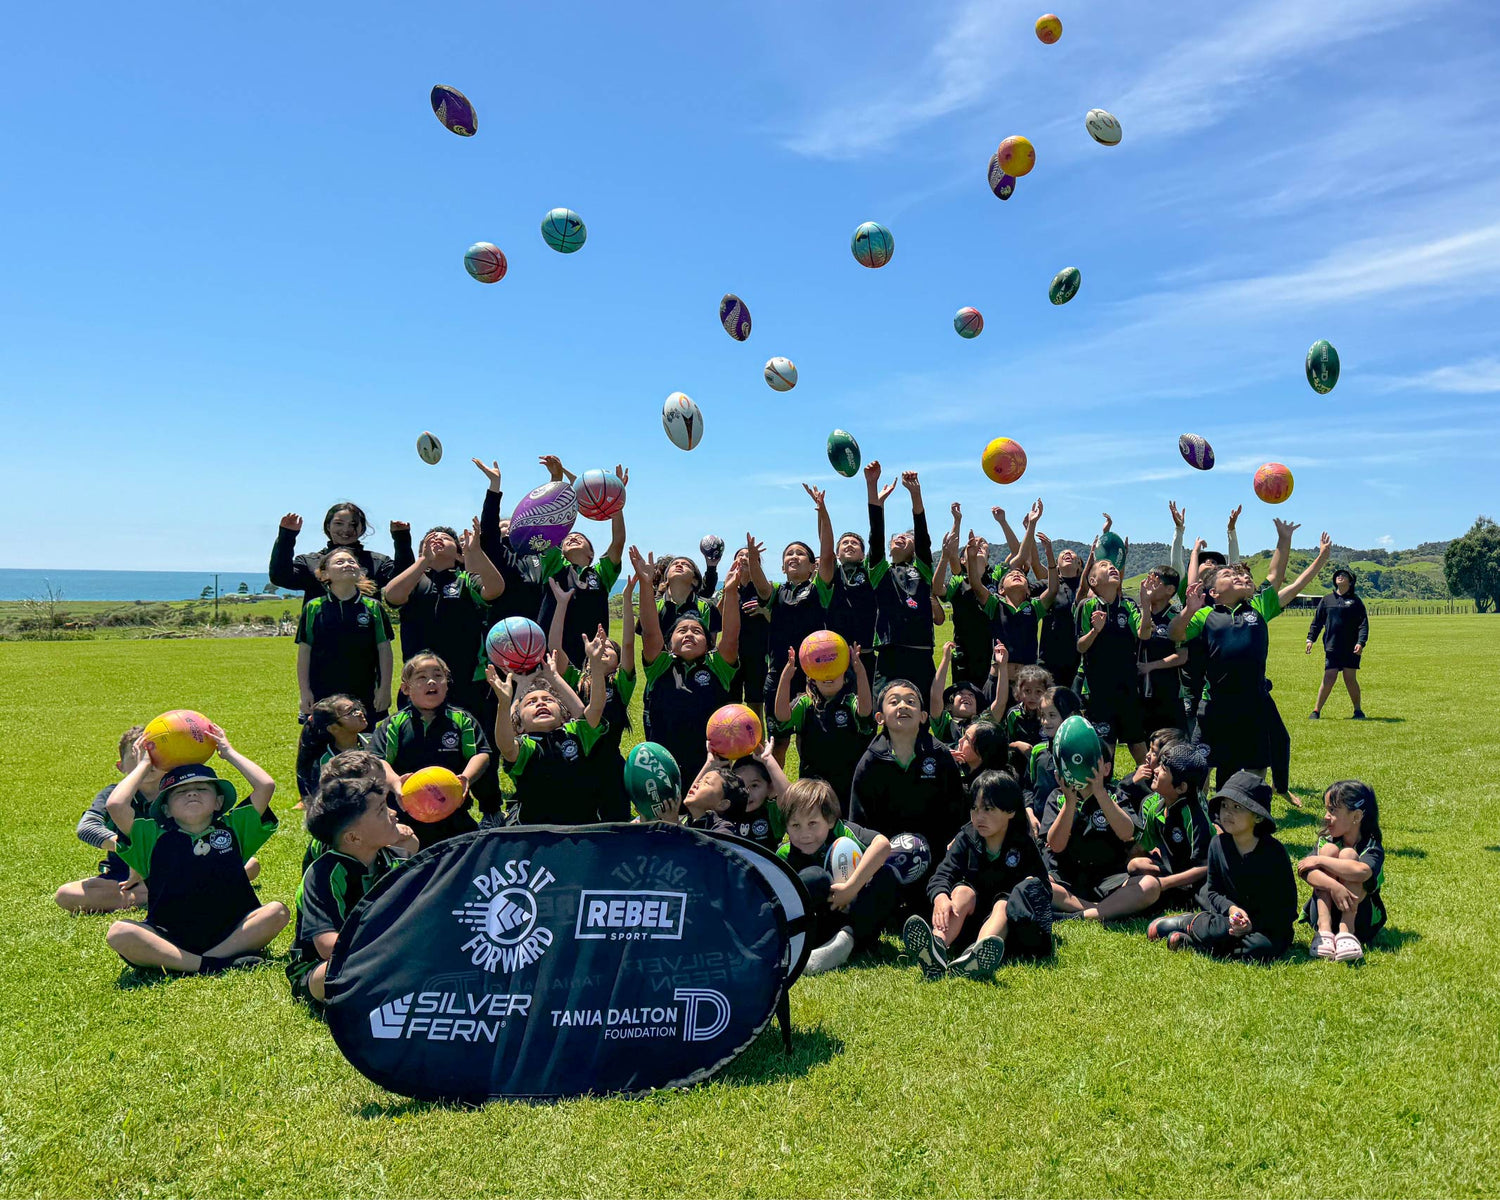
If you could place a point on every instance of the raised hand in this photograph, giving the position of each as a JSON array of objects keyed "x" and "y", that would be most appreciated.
[
  {"x": 559, "y": 593},
  {"x": 999, "y": 514},
  {"x": 1199, "y": 545},
  {"x": 910, "y": 482},
  {"x": 818, "y": 497},
  {"x": 292, "y": 522},
  {"x": 1235, "y": 514},
  {"x": 491, "y": 473},
  {"x": 1045, "y": 543},
  {"x": 1035, "y": 513},
  {"x": 400, "y": 527},
  {"x": 1108, "y": 521},
  {"x": 1285, "y": 529},
  {"x": 553, "y": 464},
  {"x": 593, "y": 648},
  {"x": 1179, "y": 515},
  {"x": 638, "y": 563},
  {"x": 622, "y": 473},
  {"x": 1325, "y": 544},
  {"x": 957, "y": 510},
  {"x": 500, "y": 684},
  {"x": 753, "y": 549}
]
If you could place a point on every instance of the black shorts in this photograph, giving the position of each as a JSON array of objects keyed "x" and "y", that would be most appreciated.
[
  {"x": 114, "y": 868},
  {"x": 193, "y": 940},
  {"x": 1340, "y": 660},
  {"x": 1237, "y": 732},
  {"x": 297, "y": 975},
  {"x": 1093, "y": 888},
  {"x": 1116, "y": 714},
  {"x": 904, "y": 662},
  {"x": 1163, "y": 712}
]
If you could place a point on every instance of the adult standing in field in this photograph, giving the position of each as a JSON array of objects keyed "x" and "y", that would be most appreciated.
[
  {"x": 1345, "y": 625},
  {"x": 343, "y": 525}
]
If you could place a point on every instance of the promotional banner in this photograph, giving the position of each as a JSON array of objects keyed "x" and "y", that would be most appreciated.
[{"x": 542, "y": 962}]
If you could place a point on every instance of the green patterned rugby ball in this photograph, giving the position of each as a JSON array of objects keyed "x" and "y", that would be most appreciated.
[
  {"x": 843, "y": 453},
  {"x": 1076, "y": 751},
  {"x": 1322, "y": 367}
]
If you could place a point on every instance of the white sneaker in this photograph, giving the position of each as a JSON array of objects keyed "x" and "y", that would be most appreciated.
[
  {"x": 1347, "y": 948},
  {"x": 1322, "y": 945}
]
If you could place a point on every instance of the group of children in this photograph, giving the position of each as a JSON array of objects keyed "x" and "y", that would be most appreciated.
[{"x": 938, "y": 762}]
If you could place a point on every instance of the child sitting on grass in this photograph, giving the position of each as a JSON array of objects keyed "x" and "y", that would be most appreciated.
[
  {"x": 1058, "y": 704},
  {"x": 353, "y": 813},
  {"x": 116, "y": 886},
  {"x": 1345, "y": 872},
  {"x": 1023, "y": 720},
  {"x": 1250, "y": 896},
  {"x": 991, "y": 893},
  {"x": 202, "y": 914},
  {"x": 847, "y": 916}
]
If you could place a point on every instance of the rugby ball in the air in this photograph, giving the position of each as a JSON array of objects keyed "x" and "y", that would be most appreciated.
[
  {"x": 843, "y": 857},
  {"x": 1003, "y": 460},
  {"x": 1048, "y": 29},
  {"x": 429, "y": 449},
  {"x": 823, "y": 655},
  {"x": 453, "y": 109},
  {"x": 563, "y": 230},
  {"x": 872, "y": 245},
  {"x": 485, "y": 261},
  {"x": 1103, "y": 127},
  {"x": 910, "y": 857},
  {"x": 178, "y": 738},
  {"x": 1001, "y": 184},
  {"x": 653, "y": 781},
  {"x": 1196, "y": 451},
  {"x": 544, "y": 516},
  {"x": 601, "y": 494},
  {"x": 1076, "y": 751},
  {"x": 682, "y": 421},
  {"x": 711, "y": 545},
  {"x": 733, "y": 731},
  {"x": 1322, "y": 367},
  {"x": 1273, "y": 483},
  {"x": 1111, "y": 548},
  {"x": 843, "y": 453},
  {"x": 1016, "y": 156},
  {"x": 1064, "y": 285},
  {"x": 781, "y": 374},
  {"x": 516, "y": 644},
  {"x": 432, "y": 794},
  {"x": 734, "y": 315},
  {"x": 968, "y": 322}
]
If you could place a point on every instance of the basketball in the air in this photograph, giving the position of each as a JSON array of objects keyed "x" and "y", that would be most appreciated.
[
  {"x": 872, "y": 245},
  {"x": 733, "y": 732},
  {"x": 1273, "y": 483},
  {"x": 1003, "y": 460},
  {"x": 968, "y": 323},
  {"x": 516, "y": 644},
  {"x": 179, "y": 737},
  {"x": 600, "y": 494},
  {"x": 824, "y": 655},
  {"x": 563, "y": 230},
  {"x": 486, "y": 262},
  {"x": 432, "y": 794}
]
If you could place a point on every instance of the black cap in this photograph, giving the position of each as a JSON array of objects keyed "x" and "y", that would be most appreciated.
[
  {"x": 1251, "y": 793},
  {"x": 961, "y": 686}
]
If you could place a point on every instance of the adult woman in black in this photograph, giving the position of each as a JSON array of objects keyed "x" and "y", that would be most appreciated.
[
  {"x": 343, "y": 525},
  {"x": 1345, "y": 625}
]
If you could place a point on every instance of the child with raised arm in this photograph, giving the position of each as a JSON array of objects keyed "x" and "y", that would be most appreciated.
[
  {"x": 1235, "y": 719},
  {"x": 1160, "y": 657},
  {"x": 683, "y": 679},
  {"x": 444, "y": 599},
  {"x": 572, "y": 567},
  {"x": 833, "y": 725},
  {"x": 1345, "y": 872},
  {"x": 971, "y": 627},
  {"x": 1250, "y": 895},
  {"x": 850, "y": 597},
  {"x": 1110, "y": 628},
  {"x": 561, "y": 772},
  {"x": 848, "y": 915},
  {"x": 903, "y": 597},
  {"x": 991, "y": 895},
  {"x": 955, "y": 708},
  {"x": 343, "y": 643},
  {"x": 1014, "y": 614},
  {"x": 797, "y": 607},
  {"x": 202, "y": 915}
]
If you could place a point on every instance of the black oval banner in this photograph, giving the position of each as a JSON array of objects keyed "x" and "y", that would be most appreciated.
[{"x": 542, "y": 962}]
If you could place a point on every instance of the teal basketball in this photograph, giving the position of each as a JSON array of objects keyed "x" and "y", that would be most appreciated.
[
  {"x": 873, "y": 245},
  {"x": 563, "y": 230}
]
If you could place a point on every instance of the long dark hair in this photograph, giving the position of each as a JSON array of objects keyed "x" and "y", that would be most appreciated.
[
  {"x": 1358, "y": 796},
  {"x": 1001, "y": 791},
  {"x": 347, "y": 506}
]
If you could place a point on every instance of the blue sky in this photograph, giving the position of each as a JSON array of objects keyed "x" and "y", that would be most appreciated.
[{"x": 234, "y": 283}]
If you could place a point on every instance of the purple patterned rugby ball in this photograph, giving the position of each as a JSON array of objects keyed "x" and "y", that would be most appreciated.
[
  {"x": 453, "y": 109},
  {"x": 734, "y": 315},
  {"x": 1001, "y": 184},
  {"x": 544, "y": 516},
  {"x": 1196, "y": 450}
]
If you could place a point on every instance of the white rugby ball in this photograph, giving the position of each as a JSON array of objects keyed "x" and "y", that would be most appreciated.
[
  {"x": 843, "y": 857},
  {"x": 682, "y": 420},
  {"x": 429, "y": 449},
  {"x": 781, "y": 374},
  {"x": 1103, "y": 127}
]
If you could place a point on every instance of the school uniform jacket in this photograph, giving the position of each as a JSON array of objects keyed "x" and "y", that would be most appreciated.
[
  {"x": 969, "y": 862},
  {"x": 924, "y": 795},
  {"x": 300, "y": 573}
]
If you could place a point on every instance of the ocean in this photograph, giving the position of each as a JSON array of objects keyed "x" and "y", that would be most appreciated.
[{"x": 124, "y": 585}]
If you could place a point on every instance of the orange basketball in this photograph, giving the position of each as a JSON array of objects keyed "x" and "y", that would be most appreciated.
[
  {"x": 432, "y": 794},
  {"x": 179, "y": 737},
  {"x": 733, "y": 732},
  {"x": 1273, "y": 483},
  {"x": 824, "y": 655}
]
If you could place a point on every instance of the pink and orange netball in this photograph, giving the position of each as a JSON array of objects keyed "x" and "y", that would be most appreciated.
[
  {"x": 1273, "y": 483},
  {"x": 733, "y": 732}
]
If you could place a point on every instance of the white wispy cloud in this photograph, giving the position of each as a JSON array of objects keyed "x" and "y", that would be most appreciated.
[
  {"x": 960, "y": 68},
  {"x": 1478, "y": 377}
]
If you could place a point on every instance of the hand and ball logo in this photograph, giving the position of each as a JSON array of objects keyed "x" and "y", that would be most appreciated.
[
  {"x": 570, "y": 749},
  {"x": 702, "y": 678},
  {"x": 1099, "y": 819},
  {"x": 841, "y": 718},
  {"x": 450, "y": 740},
  {"x": 929, "y": 766},
  {"x": 503, "y": 917},
  {"x": 1013, "y": 858}
]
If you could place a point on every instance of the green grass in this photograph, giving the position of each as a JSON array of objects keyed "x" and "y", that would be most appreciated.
[{"x": 1122, "y": 1069}]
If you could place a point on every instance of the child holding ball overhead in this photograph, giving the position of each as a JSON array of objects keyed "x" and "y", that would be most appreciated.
[
  {"x": 832, "y": 724},
  {"x": 903, "y": 596},
  {"x": 202, "y": 915},
  {"x": 1345, "y": 872}
]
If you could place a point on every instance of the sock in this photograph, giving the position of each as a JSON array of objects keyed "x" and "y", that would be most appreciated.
[
  {"x": 209, "y": 965},
  {"x": 833, "y": 953}
]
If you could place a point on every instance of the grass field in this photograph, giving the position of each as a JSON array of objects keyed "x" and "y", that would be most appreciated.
[{"x": 1120, "y": 1069}]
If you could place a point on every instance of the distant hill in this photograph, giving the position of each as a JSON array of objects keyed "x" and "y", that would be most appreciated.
[{"x": 1415, "y": 574}]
